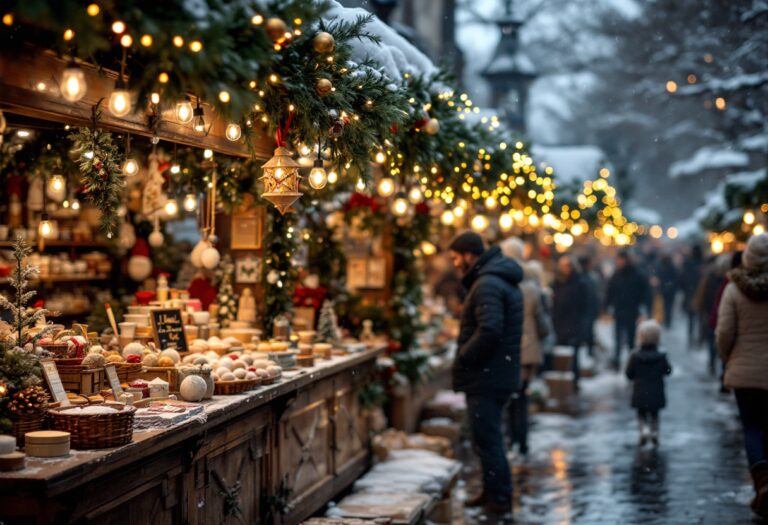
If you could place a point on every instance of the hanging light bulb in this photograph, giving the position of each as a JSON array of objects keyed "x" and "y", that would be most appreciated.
[
  {"x": 207, "y": 153},
  {"x": 400, "y": 205},
  {"x": 184, "y": 111},
  {"x": 360, "y": 186},
  {"x": 386, "y": 187},
  {"x": 380, "y": 157},
  {"x": 479, "y": 223},
  {"x": 491, "y": 202},
  {"x": 75, "y": 205},
  {"x": 506, "y": 222},
  {"x": 233, "y": 132},
  {"x": 130, "y": 167},
  {"x": 171, "y": 207},
  {"x": 415, "y": 195},
  {"x": 56, "y": 183},
  {"x": 45, "y": 228},
  {"x": 73, "y": 84},
  {"x": 175, "y": 168},
  {"x": 447, "y": 218},
  {"x": 458, "y": 211},
  {"x": 333, "y": 177},
  {"x": 198, "y": 122},
  {"x": 317, "y": 176},
  {"x": 190, "y": 202},
  {"x": 120, "y": 100}
]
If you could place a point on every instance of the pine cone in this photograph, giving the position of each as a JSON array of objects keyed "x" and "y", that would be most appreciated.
[{"x": 29, "y": 400}]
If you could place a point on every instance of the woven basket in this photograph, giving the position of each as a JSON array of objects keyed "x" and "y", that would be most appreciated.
[
  {"x": 226, "y": 388},
  {"x": 96, "y": 430},
  {"x": 22, "y": 424},
  {"x": 127, "y": 372}
]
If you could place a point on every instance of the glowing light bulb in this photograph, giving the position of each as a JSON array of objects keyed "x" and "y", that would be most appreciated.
[
  {"x": 749, "y": 217},
  {"x": 427, "y": 248},
  {"x": 120, "y": 102},
  {"x": 415, "y": 195},
  {"x": 75, "y": 204},
  {"x": 190, "y": 202},
  {"x": 400, "y": 205},
  {"x": 233, "y": 132},
  {"x": 479, "y": 223},
  {"x": 759, "y": 229},
  {"x": 333, "y": 177},
  {"x": 380, "y": 157},
  {"x": 207, "y": 153},
  {"x": 717, "y": 246},
  {"x": 506, "y": 222},
  {"x": 118, "y": 26},
  {"x": 73, "y": 84},
  {"x": 386, "y": 187},
  {"x": 360, "y": 186},
  {"x": 46, "y": 228},
  {"x": 490, "y": 202},
  {"x": 198, "y": 122},
  {"x": 458, "y": 211},
  {"x": 184, "y": 111},
  {"x": 130, "y": 167},
  {"x": 447, "y": 217},
  {"x": 175, "y": 168},
  {"x": 317, "y": 176},
  {"x": 57, "y": 183},
  {"x": 171, "y": 207}
]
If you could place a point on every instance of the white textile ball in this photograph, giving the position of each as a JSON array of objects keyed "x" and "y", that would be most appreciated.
[
  {"x": 139, "y": 267},
  {"x": 173, "y": 354},
  {"x": 272, "y": 276},
  {"x": 197, "y": 251},
  {"x": 210, "y": 258},
  {"x": 193, "y": 388},
  {"x": 156, "y": 238}
]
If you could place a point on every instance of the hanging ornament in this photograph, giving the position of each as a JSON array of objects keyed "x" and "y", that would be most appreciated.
[
  {"x": 210, "y": 257},
  {"x": 317, "y": 176},
  {"x": 195, "y": 256},
  {"x": 276, "y": 29},
  {"x": 156, "y": 238},
  {"x": 432, "y": 127},
  {"x": 273, "y": 276},
  {"x": 323, "y": 42},
  {"x": 323, "y": 86},
  {"x": 126, "y": 237},
  {"x": 139, "y": 264},
  {"x": 337, "y": 128},
  {"x": 281, "y": 180}
]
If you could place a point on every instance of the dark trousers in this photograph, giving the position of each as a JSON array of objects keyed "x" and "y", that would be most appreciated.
[
  {"x": 669, "y": 307},
  {"x": 484, "y": 414},
  {"x": 650, "y": 418},
  {"x": 624, "y": 330},
  {"x": 753, "y": 412},
  {"x": 517, "y": 422}
]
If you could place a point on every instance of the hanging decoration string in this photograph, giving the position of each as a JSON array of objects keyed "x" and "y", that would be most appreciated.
[{"x": 282, "y": 134}]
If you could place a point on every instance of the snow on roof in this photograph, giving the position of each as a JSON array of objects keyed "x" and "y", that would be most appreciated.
[
  {"x": 733, "y": 83},
  {"x": 571, "y": 163},
  {"x": 708, "y": 158},
  {"x": 504, "y": 63},
  {"x": 396, "y": 55},
  {"x": 747, "y": 180},
  {"x": 757, "y": 142},
  {"x": 643, "y": 215}
]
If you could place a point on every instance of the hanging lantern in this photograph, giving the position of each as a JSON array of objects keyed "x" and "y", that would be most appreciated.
[
  {"x": 386, "y": 187},
  {"x": 190, "y": 202},
  {"x": 73, "y": 85},
  {"x": 317, "y": 176},
  {"x": 46, "y": 228},
  {"x": 281, "y": 180},
  {"x": 233, "y": 132},
  {"x": 184, "y": 111},
  {"x": 130, "y": 167},
  {"x": 171, "y": 207},
  {"x": 400, "y": 205}
]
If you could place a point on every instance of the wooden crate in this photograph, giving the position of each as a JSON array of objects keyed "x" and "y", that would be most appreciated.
[
  {"x": 169, "y": 374},
  {"x": 81, "y": 380}
]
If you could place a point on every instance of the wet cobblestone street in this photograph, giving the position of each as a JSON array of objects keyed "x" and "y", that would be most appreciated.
[{"x": 586, "y": 467}]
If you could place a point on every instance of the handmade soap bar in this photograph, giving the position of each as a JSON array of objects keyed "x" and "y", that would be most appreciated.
[{"x": 7, "y": 444}]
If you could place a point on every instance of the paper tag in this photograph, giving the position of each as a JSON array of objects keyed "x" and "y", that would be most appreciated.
[
  {"x": 51, "y": 374},
  {"x": 114, "y": 381}
]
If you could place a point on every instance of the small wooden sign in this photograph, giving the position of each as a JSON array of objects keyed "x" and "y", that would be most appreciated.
[
  {"x": 114, "y": 381},
  {"x": 168, "y": 329},
  {"x": 51, "y": 374}
]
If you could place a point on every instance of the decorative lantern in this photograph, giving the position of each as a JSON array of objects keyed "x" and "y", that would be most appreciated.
[{"x": 281, "y": 180}]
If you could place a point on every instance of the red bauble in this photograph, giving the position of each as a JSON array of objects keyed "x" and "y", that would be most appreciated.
[{"x": 133, "y": 358}]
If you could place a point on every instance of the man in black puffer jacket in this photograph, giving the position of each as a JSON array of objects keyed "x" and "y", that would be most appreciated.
[{"x": 487, "y": 365}]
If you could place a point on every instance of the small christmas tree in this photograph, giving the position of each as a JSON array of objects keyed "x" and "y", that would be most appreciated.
[
  {"x": 226, "y": 299},
  {"x": 24, "y": 317},
  {"x": 327, "y": 325}
]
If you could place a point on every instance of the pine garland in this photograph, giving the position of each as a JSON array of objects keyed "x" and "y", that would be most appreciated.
[
  {"x": 226, "y": 299},
  {"x": 100, "y": 167},
  {"x": 279, "y": 273}
]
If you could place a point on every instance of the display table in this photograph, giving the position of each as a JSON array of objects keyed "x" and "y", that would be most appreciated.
[{"x": 276, "y": 454}]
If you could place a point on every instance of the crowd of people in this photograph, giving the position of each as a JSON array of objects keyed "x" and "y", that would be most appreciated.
[{"x": 512, "y": 317}]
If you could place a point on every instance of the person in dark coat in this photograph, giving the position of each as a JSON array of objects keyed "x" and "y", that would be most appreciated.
[
  {"x": 487, "y": 364},
  {"x": 569, "y": 309},
  {"x": 628, "y": 293},
  {"x": 689, "y": 280},
  {"x": 592, "y": 301},
  {"x": 646, "y": 369},
  {"x": 666, "y": 273}
]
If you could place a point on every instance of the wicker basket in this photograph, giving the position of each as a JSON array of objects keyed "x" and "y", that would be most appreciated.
[
  {"x": 22, "y": 424},
  {"x": 226, "y": 388},
  {"x": 127, "y": 372},
  {"x": 59, "y": 350},
  {"x": 96, "y": 430}
]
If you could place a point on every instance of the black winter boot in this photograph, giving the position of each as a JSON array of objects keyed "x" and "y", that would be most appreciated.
[{"x": 760, "y": 478}]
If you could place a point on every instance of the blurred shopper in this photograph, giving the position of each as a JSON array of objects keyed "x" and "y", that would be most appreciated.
[
  {"x": 569, "y": 312},
  {"x": 667, "y": 276},
  {"x": 536, "y": 327},
  {"x": 742, "y": 341},
  {"x": 704, "y": 301},
  {"x": 627, "y": 295},
  {"x": 646, "y": 369},
  {"x": 487, "y": 365},
  {"x": 689, "y": 280},
  {"x": 592, "y": 302}
]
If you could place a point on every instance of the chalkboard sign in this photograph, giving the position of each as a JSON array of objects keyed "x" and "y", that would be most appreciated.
[{"x": 168, "y": 329}]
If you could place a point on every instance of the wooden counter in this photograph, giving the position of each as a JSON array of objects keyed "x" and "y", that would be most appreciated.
[{"x": 273, "y": 455}]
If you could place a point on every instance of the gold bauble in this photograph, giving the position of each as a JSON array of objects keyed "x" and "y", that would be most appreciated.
[
  {"x": 323, "y": 42},
  {"x": 323, "y": 86},
  {"x": 276, "y": 29},
  {"x": 432, "y": 127}
]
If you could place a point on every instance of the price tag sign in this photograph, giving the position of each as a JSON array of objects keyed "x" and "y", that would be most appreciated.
[
  {"x": 51, "y": 374},
  {"x": 114, "y": 381},
  {"x": 168, "y": 329}
]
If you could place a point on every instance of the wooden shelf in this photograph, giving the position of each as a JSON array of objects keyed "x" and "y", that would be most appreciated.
[
  {"x": 63, "y": 279},
  {"x": 62, "y": 244}
]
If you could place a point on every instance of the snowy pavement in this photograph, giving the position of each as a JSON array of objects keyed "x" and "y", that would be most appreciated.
[{"x": 586, "y": 468}]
